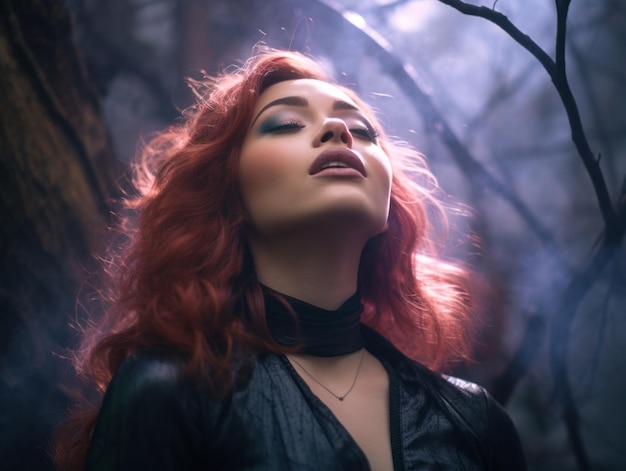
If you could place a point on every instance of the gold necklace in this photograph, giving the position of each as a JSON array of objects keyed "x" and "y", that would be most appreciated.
[{"x": 343, "y": 396}]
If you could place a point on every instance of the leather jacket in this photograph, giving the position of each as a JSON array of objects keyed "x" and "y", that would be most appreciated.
[{"x": 152, "y": 418}]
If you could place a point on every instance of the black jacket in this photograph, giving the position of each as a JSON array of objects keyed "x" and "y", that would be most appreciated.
[{"x": 152, "y": 419}]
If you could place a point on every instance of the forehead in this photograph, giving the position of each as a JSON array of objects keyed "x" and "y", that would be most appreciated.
[{"x": 314, "y": 90}]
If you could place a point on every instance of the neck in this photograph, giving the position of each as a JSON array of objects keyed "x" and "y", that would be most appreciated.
[
  {"x": 314, "y": 330},
  {"x": 322, "y": 271}
]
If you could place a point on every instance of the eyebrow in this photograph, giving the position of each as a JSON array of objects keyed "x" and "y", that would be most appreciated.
[
  {"x": 302, "y": 102},
  {"x": 344, "y": 105}
]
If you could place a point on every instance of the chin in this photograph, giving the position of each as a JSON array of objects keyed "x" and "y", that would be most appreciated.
[
  {"x": 358, "y": 224},
  {"x": 347, "y": 212},
  {"x": 354, "y": 220}
]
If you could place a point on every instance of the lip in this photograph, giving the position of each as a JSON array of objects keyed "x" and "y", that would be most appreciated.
[{"x": 343, "y": 156}]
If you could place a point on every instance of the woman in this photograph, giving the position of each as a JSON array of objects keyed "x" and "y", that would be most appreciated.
[{"x": 281, "y": 239}]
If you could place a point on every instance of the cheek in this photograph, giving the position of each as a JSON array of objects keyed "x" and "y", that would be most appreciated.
[
  {"x": 384, "y": 174},
  {"x": 264, "y": 173},
  {"x": 257, "y": 169}
]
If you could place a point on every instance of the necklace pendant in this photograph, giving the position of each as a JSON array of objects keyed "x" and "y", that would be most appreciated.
[{"x": 340, "y": 398}]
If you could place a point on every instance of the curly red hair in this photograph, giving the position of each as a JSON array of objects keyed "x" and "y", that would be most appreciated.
[{"x": 185, "y": 279}]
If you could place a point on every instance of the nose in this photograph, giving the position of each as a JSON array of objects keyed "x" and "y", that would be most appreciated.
[{"x": 334, "y": 131}]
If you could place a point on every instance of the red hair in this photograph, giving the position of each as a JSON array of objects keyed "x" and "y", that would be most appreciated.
[{"x": 185, "y": 277}]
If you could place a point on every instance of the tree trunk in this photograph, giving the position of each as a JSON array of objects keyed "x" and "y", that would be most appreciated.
[{"x": 56, "y": 169}]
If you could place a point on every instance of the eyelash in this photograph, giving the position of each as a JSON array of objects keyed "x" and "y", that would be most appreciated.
[
  {"x": 286, "y": 126},
  {"x": 366, "y": 132}
]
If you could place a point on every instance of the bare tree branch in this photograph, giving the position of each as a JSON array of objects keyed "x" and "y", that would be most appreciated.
[
  {"x": 556, "y": 71},
  {"x": 614, "y": 221}
]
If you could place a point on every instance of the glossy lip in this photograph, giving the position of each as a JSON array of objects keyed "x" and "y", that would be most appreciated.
[{"x": 342, "y": 155}]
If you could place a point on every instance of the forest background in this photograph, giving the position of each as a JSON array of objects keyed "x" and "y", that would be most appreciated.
[{"x": 519, "y": 107}]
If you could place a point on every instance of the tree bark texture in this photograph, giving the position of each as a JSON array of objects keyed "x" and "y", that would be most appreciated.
[{"x": 56, "y": 169}]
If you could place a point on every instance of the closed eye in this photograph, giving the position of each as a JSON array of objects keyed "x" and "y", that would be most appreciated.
[
  {"x": 365, "y": 132},
  {"x": 283, "y": 127}
]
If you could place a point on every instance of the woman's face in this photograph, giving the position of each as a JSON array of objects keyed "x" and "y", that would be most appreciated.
[{"x": 312, "y": 157}]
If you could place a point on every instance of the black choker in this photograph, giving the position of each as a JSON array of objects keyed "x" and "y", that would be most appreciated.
[{"x": 320, "y": 332}]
